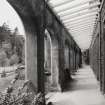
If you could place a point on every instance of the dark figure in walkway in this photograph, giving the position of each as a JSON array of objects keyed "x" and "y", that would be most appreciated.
[
  {"x": 67, "y": 80},
  {"x": 67, "y": 75}
]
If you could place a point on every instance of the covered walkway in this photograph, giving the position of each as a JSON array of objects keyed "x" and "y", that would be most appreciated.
[
  {"x": 58, "y": 34},
  {"x": 84, "y": 90}
]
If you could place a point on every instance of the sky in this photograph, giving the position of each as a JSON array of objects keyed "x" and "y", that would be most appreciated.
[{"x": 10, "y": 17}]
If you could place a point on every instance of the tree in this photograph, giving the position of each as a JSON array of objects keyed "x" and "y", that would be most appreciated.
[{"x": 7, "y": 37}]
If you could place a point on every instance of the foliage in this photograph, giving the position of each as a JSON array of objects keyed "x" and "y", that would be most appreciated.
[
  {"x": 14, "y": 59},
  {"x": 3, "y": 58},
  {"x": 12, "y": 43},
  {"x": 4, "y": 32},
  {"x": 23, "y": 97}
]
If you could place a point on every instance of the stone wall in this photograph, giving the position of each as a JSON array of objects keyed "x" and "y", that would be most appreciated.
[
  {"x": 36, "y": 18},
  {"x": 97, "y": 50}
]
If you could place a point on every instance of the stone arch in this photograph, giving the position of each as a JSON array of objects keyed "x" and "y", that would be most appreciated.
[
  {"x": 27, "y": 14},
  {"x": 48, "y": 60},
  {"x": 13, "y": 22},
  {"x": 54, "y": 69}
]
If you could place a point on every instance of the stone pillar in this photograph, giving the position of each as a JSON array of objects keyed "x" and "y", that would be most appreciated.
[
  {"x": 67, "y": 57},
  {"x": 40, "y": 51},
  {"x": 71, "y": 60},
  {"x": 61, "y": 63},
  {"x": 75, "y": 53},
  {"x": 31, "y": 61},
  {"x": 55, "y": 66}
]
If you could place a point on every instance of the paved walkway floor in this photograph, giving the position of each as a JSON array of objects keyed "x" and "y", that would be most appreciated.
[{"x": 84, "y": 90}]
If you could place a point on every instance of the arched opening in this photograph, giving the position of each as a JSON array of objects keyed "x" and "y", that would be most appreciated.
[
  {"x": 67, "y": 57},
  {"x": 48, "y": 61},
  {"x": 51, "y": 63},
  {"x": 67, "y": 68},
  {"x": 55, "y": 65},
  {"x": 34, "y": 29},
  {"x": 12, "y": 46}
]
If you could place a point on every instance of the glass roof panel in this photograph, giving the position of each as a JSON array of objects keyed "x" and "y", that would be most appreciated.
[{"x": 79, "y": 17}]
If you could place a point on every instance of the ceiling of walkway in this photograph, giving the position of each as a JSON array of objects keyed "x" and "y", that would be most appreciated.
[{"x": 79, "y": 17}]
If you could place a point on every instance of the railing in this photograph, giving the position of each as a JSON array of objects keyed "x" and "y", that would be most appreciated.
[{"x": 8, "y": 69}]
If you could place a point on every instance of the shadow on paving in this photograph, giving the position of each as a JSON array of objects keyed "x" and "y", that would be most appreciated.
[
  {"x": 82, "y": 89},
  {"x": 73, "y": 85}
]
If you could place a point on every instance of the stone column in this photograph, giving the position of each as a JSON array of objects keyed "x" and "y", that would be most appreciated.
[{"x": 61, "y": 62}]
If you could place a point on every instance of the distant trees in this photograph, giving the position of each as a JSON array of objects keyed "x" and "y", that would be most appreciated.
[
  {"x": 3, "y": 58},
  {"x": 11, "y": 46}
]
